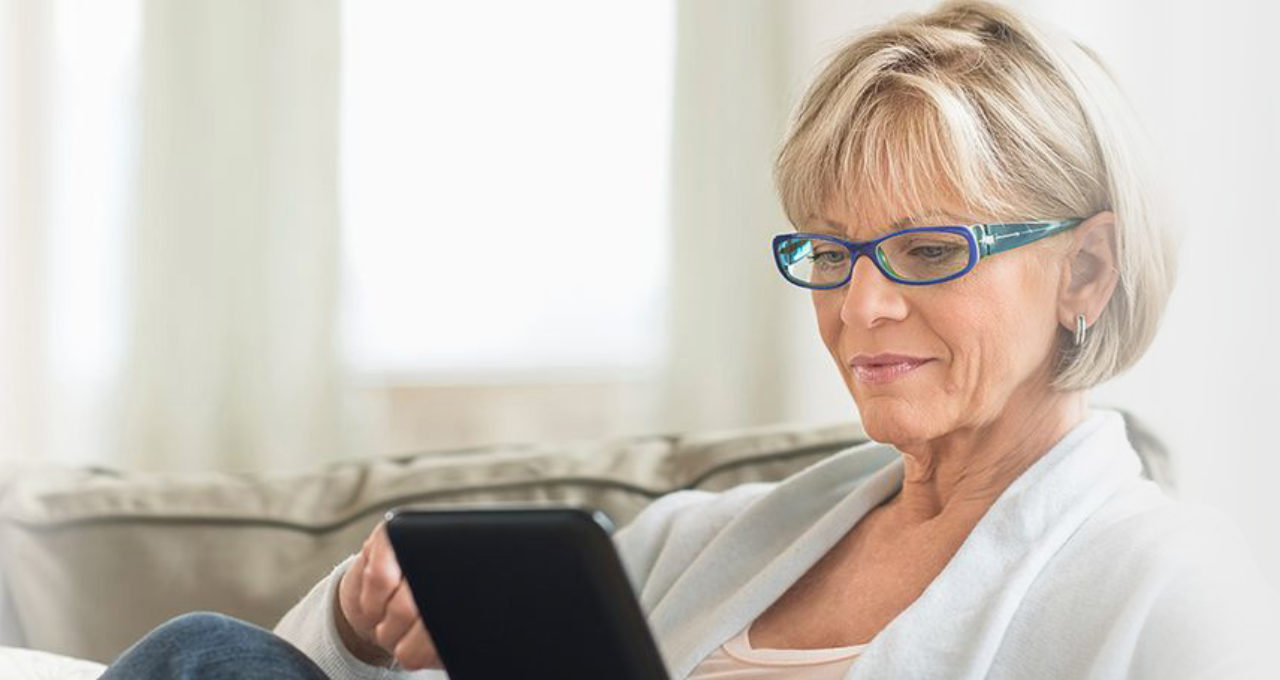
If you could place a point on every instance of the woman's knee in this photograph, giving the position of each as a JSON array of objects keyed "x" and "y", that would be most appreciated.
[
  {"x": 207, "y": 644},
  {"x": 204, "y": 627}
]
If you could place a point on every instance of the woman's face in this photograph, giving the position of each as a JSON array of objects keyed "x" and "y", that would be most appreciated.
[{"x": 986, "y": 338}]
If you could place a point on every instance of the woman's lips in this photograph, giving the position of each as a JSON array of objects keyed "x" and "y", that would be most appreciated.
[{"x": 884, "y": 368}]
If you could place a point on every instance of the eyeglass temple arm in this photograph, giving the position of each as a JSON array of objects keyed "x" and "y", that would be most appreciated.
[{"x": 996, "y": 238}]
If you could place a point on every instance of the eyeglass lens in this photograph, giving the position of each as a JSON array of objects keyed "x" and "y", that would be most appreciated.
[{"x": 917, "y": 257}]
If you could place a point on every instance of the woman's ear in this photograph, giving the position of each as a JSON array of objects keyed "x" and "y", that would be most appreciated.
[{"x": 1091, "y": 273}]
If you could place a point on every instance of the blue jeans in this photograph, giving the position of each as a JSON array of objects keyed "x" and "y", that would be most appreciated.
[{"x": 204, "y": 646}]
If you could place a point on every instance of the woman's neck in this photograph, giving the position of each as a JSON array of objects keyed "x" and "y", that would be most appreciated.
[{"x": 951, "y": 481}]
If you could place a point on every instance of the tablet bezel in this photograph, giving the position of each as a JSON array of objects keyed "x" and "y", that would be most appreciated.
[{"x": 512, "y": 561}]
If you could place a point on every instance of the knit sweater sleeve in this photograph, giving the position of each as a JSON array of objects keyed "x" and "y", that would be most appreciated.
[{"x": 310, "y": 627}]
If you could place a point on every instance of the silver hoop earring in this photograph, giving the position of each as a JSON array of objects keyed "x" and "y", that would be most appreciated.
[{"x": 1080, "y": 329}]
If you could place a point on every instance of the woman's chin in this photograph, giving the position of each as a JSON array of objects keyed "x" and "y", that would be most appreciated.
[{"x": 893, "y": 421}]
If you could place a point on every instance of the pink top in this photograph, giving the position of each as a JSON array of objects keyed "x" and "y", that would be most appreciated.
[{"x": 736, "y": 660}]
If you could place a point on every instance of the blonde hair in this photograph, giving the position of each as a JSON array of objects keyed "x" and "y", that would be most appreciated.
[{"x": 974, "y": 102}]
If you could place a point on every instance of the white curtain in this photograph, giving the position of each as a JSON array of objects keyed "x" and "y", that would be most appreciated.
[
  {"x": 25, "y": 29},
  {"x": 726, "y": 362},
  {"x": 221, "y": 351},
  {"x": 232, "y": 352}
]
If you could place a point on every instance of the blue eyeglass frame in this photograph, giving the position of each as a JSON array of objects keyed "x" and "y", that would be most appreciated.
[{"x": 984, "y": 240}]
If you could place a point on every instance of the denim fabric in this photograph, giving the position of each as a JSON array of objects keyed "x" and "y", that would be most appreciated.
[{"x": 206, "y": 646}]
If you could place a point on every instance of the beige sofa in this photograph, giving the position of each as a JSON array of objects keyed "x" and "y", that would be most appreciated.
[{"x": 93, "y": 558}]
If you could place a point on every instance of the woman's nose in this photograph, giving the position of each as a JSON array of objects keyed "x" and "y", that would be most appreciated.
[{"x": 869, "y": 297}]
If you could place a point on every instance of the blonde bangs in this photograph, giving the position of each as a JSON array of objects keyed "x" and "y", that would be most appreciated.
[
  {"x": 908, "y": 158},
  {"x": 908, "y": 145}
]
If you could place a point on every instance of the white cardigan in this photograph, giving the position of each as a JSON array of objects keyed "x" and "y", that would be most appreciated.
[{"x": 1080, "y": 569}]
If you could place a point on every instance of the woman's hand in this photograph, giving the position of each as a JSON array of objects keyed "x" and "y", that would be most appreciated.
[{"x": 376, "y": 615}]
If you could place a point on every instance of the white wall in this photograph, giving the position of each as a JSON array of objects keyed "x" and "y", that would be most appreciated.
[{"x": 1205, "y": 82}]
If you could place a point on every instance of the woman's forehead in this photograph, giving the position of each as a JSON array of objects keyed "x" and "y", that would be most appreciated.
[
  {"x": 864, "y": 224},
  {"x": 863, "y": 209}
]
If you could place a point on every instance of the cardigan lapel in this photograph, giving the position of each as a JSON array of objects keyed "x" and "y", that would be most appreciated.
[
  {"x": 956, "y": 625},
  {"x": 766, "y": 548}
]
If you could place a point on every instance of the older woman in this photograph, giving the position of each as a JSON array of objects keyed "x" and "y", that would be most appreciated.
[{"x": 980, "y": 248}]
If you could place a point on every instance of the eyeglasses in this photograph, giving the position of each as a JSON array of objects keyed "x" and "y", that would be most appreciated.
[{"x": 917, "y": 257}]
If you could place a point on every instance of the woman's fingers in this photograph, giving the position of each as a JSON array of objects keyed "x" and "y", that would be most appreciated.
[
  {"x": 349, "y": 589},
  {"x": 381, "y": 575},
  {"x": 416, "y": 650},
  {"x": 355, "y": 624},
  {"x": 377, "y": 604},
  {"x": 399, "y": 616},
  {"x": 368, "y": 584}
]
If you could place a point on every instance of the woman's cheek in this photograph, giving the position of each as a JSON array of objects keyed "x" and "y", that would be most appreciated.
[
  {"x": 826, "y": 307},
  {"x": 971, "y": 358}
]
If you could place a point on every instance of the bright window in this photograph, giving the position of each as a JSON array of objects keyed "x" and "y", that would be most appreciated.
[{"x": 504, "y": 171}]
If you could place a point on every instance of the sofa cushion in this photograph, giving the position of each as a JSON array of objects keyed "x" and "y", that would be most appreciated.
[
  {"x": 93, "y": 558},
  {"x": 29, "y": 664}
]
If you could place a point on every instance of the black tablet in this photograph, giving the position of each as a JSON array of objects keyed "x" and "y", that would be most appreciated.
[{"x": 521, "y": 591}]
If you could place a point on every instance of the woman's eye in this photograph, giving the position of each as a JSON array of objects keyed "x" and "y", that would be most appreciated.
[
  {"x": 830, "y": 258},
  {"x": 933, "y": 252}
]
